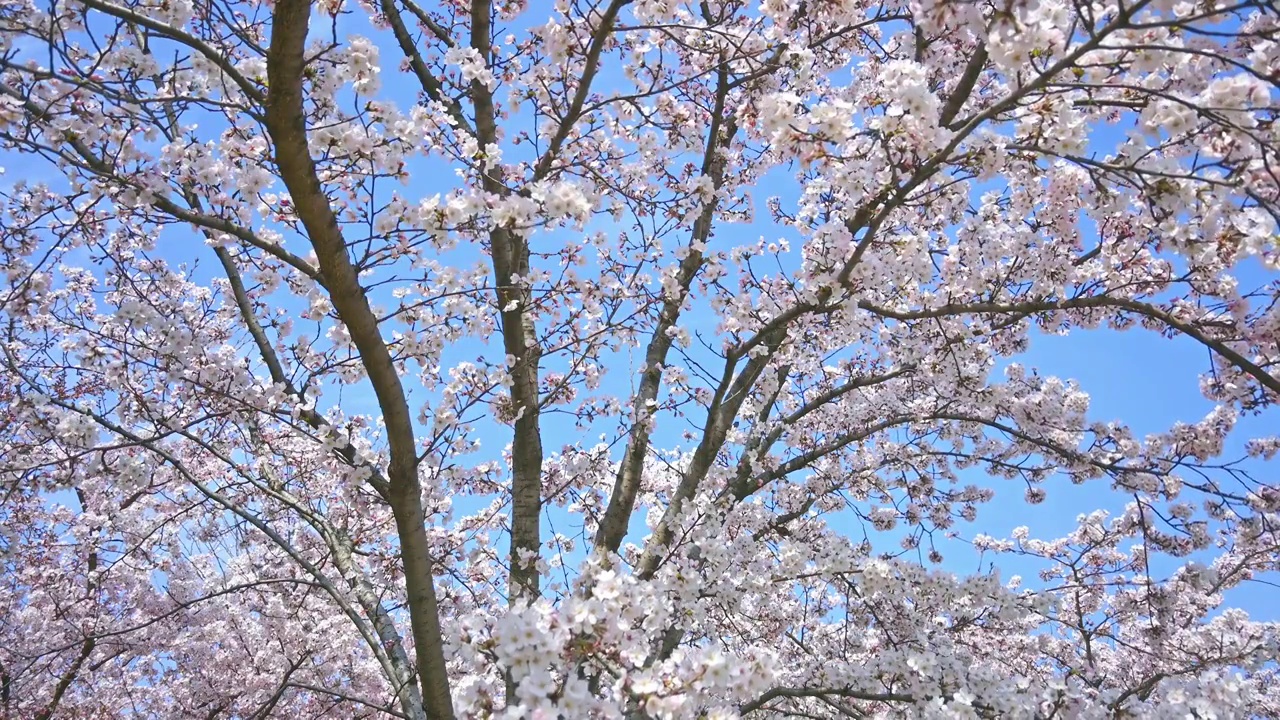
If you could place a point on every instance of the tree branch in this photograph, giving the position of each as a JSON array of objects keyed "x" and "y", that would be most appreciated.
[{"x": 286, "y": 124}]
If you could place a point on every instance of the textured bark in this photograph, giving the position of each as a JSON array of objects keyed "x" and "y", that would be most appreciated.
[{"x": 510, "y": 255}]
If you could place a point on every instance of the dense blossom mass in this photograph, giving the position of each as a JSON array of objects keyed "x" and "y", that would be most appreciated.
[{"x": 630, "y": 358}]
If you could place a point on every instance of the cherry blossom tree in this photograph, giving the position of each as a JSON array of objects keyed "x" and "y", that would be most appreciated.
[{"x": 486, "y": 358}]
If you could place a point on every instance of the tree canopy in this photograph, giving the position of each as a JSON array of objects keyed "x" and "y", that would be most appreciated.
[{"x": 630, "y": 358}]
